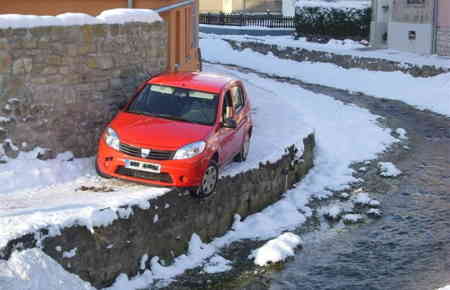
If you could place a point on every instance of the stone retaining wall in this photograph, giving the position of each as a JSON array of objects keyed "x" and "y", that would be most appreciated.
[
  {"x": 118, "y": 248},
  {"x": 59, "y": 86},
  {"x": 345, "y": 61}
]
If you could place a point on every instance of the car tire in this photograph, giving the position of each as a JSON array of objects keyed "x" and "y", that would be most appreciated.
[
  {"x": 242, "y": 156},
  {"x": 209, "y": 181},
  {"x": 101, "y": 174}
]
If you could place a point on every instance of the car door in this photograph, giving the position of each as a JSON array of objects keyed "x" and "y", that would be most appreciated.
[
  {"x": 226, "y": 135},
  {"x": 239, "y": 115}
]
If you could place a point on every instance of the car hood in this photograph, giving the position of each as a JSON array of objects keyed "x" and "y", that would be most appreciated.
[{"x": 147, "y": 131}]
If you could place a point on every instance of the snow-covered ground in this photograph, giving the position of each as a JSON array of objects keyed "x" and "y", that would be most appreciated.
[
  {"x": 432, "y": 93},
  {"x": 276, "y": 250},
  {"x": 345, "y": 47},
  {"x": 37, "y": 194}
]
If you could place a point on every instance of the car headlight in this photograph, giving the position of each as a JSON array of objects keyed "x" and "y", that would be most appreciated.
[
  {"x": 112, "y": 139},
  {"x": 190, "y": 150}
]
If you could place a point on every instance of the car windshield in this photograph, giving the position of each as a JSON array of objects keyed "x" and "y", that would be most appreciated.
[{"x": 175, "y": 104}]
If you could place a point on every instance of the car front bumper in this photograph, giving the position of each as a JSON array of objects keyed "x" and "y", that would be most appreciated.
[{"x": 178, "y": 173}]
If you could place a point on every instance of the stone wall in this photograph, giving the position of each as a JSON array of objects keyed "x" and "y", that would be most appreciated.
[
  {"x": 118, "y": 248},
  {"x": 345, "y": 61},
  {"x": 59, "y": 86},
  {"x": 443, "y": 41}
]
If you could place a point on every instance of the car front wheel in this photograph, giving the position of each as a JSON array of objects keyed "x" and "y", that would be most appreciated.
[{"x": 209, "y": 181}]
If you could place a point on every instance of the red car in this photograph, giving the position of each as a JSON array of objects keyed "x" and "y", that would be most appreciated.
[{"x": 178, "y": 130}]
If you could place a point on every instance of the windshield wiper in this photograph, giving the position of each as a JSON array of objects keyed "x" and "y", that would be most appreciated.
[
  {"x": 139, "y": 112},
  {"x": 165, "y": 116},
  {"x": 171, "y": 117}
]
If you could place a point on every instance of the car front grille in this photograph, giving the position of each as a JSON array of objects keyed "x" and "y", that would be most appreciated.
[
  {"x": 161, "y": 177},
  {"x": 154, "y": 154}
]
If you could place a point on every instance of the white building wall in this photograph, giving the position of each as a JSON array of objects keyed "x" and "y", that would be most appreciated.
[
  {"x": 227, "y": 6},
  {"x": 398, "y": 37},
  {"x": 288, "y": 8},
  {"x": 381, "y": 16}
]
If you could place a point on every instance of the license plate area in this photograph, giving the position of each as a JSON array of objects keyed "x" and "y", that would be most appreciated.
[{"x": 143, "y": 166}]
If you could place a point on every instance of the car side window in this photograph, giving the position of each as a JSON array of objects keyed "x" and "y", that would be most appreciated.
[
  {"x": 227, "y": 111},
  {"x": 237, "y": 96}
]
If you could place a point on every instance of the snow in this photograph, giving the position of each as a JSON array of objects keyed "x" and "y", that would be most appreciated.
[
  {"x": 352, "y": 218},
  {"x": 143, "y": 262},
  {"x": 432, "y": 93},
  {"x": 345, "y": 47},
  {"x": 112, "y": 16},
  {"x": 333, "y": 212},
  {"x": 34, "y": 270},
  {"x": 336, "y": 4},
  {"x": 387, "y": 169},
  {"x": 125, "y": 15},
  {"x": 217, "y": 264},
  {"x": 26, "y": 171},
  {"x": 284, "y": 41},
  {"x": 5, "y": 119},
  {"x": 374, "y": 203},
  {"x": 276, "y": 250},
  {"x": 362, "y": 198},
  {"x": 374, "y": 212},
  {"x": 401, "y": 133},
  {"x": 63, "y": 205},
  {"x": 70, "y": 254}
]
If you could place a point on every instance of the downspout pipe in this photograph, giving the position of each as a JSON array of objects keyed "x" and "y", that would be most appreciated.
[
  {"x": 130, "y": 4},
  {"x": 435, "y": 25}
]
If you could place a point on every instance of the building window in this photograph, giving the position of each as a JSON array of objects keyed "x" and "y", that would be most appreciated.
[{"x": 416, "y": 1}]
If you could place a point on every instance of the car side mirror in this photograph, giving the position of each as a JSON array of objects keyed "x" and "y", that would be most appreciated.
[{"x": 229, "y": 123}]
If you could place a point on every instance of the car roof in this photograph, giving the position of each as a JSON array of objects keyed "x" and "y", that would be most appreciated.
[{"x": 199, "y": 81}]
